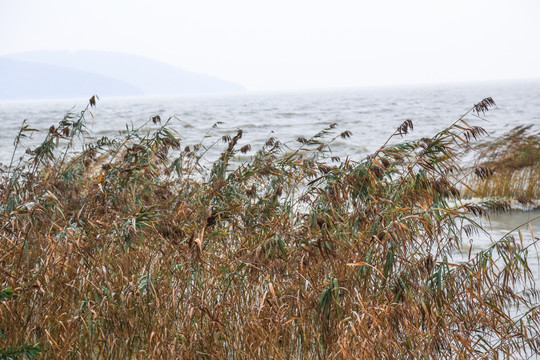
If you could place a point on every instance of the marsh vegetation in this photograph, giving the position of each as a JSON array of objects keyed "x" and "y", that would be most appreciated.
[
  {"x": 508, "y": 167},
  {"x": 139, "y": 247}
]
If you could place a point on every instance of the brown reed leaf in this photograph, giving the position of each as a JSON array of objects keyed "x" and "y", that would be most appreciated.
[{"x": 199, "y": 240}]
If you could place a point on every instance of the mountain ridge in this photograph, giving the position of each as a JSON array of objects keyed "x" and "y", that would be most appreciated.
[{"x": 118, "y": 74}]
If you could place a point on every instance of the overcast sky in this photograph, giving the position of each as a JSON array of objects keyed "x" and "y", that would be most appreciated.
[{"x": 294, "y": 44}]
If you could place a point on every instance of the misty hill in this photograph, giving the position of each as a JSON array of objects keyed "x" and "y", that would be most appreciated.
[
  {"x": 28, "y": 80},
  {"x": 72, "y": 74}
]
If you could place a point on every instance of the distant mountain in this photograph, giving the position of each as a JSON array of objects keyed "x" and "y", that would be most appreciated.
[
  {"x": 53, "y": 74},
  {"x": 28, "y": 80}
]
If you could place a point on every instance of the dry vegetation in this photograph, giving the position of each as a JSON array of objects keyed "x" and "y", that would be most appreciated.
[
  {"x": 508, "y": 167},
  {"x": 131, "y": 248}
]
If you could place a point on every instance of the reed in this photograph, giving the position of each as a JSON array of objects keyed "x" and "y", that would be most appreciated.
[
  {"x": 507, "y": 167},
  {"x": 140, "y": 247}
]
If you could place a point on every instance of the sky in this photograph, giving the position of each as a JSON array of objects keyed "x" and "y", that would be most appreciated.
[{"x": 294, "y": 44}]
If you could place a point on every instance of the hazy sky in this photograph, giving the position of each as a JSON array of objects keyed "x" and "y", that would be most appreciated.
[{"x": 294, "y": 44}]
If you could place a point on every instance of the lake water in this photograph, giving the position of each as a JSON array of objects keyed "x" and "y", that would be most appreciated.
[{"x": 372, "y": 114}]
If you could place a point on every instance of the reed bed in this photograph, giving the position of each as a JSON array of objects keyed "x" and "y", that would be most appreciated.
[
  {"x": 138, "y": 247},
  {"x": 508, "y": 167}
]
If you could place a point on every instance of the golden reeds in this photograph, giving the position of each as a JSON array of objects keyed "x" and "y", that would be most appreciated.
[
  {"x": 132, "y": 248},
  {"x": 508, "y": 167}
]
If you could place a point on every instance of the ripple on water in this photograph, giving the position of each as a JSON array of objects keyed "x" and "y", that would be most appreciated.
[{"x": 371, "y": 114}]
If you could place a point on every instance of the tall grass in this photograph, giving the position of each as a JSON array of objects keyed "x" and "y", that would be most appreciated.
[
  {"x": 508, "y": 167},
  {"x": 132, "y": 247}
]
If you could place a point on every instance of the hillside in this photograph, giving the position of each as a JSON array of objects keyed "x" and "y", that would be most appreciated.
[
  {"x": 29, "y": 80},
  {"x": 61, "y": 73}
]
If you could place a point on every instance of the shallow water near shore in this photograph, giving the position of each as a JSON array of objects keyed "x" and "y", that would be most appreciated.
[{"x": 497, "y": 226}]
